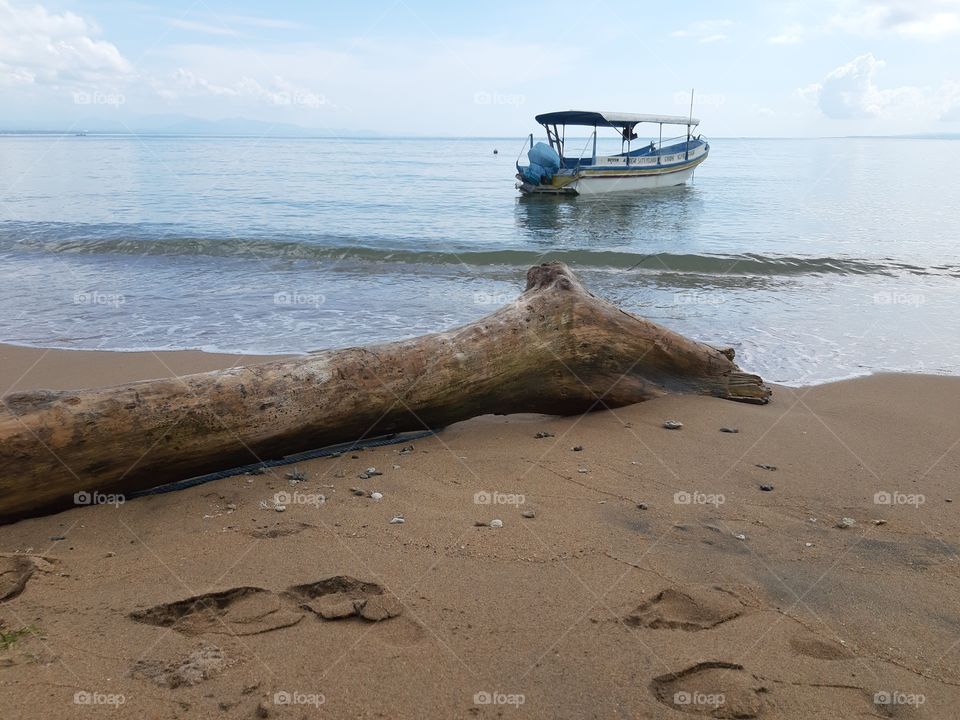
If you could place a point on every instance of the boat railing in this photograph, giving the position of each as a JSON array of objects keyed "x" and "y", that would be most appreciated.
[
  {"x": 593, "y": 139},
  {"x": 527, "y": 145}
]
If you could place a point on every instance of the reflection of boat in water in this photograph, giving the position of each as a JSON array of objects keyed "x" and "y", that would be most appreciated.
[{"x": 658, "y": 164}]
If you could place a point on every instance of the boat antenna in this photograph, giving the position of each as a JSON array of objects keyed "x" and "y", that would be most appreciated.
[{"x": 689, "y": 123}]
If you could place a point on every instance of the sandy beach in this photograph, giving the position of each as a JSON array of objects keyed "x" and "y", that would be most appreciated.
[{"x": 802, "y": 567}]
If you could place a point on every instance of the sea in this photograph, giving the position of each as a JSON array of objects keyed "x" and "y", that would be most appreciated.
[{"x": 815, "y": 259}]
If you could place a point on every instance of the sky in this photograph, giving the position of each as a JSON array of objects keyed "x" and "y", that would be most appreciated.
[{"x": 405, "y": 67}]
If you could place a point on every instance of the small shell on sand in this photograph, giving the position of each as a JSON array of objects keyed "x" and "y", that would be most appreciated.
[
  {"x": 496, "y": 523},
  {"x": 672, "y": 424},
  {"x": 846, "y": 522},
  {"x": 376, "y": 496},
  {"x": 280, "y": 508},
  {"x": 398, "y": 520}
]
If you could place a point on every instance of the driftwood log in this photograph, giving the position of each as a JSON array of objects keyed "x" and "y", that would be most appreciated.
[{"x": 556, "y": 349}]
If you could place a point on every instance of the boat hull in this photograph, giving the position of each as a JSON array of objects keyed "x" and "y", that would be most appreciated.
[
  {"x": 617, "y": 180},
  {"x": 602, "y": 184}
]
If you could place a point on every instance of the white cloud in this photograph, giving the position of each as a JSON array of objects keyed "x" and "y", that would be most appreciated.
[
  {"x": 918, "y": 19},
  {"x": 276, "y": 90},
  {"x": 41, "y": 47},
  {"x": 851, "y": 91},
  {"x": 705, "y": 31},
  {"x": 791, "y": 35},
  {"x": 205, "y": 28}
]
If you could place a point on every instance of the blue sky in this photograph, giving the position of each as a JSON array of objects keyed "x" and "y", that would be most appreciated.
[{"x": 824, "y": 67}]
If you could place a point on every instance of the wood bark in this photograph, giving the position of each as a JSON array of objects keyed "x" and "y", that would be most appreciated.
[{"x": 556, "y": 349}]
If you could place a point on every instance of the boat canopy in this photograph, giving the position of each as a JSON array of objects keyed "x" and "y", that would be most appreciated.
[{"x": 611, "y": 119}]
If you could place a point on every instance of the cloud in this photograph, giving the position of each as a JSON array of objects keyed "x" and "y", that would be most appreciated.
[
  {"x": 193, "y": 26},
  {"x": 276, "y": 90},
  {"x": 791, "y": 35},
  {"x": 227, "y": 25},
  {"x": 925, "y": 20},
  {"x": 705, "y": 31},
  {"x": 262, "y": 22},
  {"x": 851, "y": 92},
  {"x": 41, "y": 47}
]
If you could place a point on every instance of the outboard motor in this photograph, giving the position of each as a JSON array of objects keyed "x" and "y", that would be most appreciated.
[{"x": 544, "y": 164}]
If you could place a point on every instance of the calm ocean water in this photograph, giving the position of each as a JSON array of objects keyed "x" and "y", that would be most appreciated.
[{"x": 815, "y": 259}]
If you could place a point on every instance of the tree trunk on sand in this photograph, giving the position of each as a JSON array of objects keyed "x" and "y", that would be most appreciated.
[{"x": 556, "y": 349}]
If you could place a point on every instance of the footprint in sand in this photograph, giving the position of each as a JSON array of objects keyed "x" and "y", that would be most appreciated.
[
  {"x": 14, "y": 573},
  {"x": 195, "y": 668},
  {"x": 342, "y": 596},
  {"x": 811, "y": 645},
  {"x": 238, "y": 611},
  {"x": 689, "y": 609},
  {"x": 278, "y": 531},
  {"x": 399, "y": 633},
  {"x": 714, "y": 689}
]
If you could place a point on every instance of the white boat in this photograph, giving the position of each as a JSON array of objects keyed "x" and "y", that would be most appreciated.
[{"x": 658, "y": 163}]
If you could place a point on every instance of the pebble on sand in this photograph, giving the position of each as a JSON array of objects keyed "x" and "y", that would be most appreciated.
[
  {"x": 528, "y": 514},
  {"x": 376, "y": 496},
  {"x": 767, "y": 488},
  {"x": 763, "y": 466},
  {"x": 729, "y": 429},
  {"x": 280, "y": 508},
  {"x": 496, "y": 523},
  {"x": 672, "y": 424},
  {"x": 578, "y": 448},
  {"x": 543, "y": 434},
  {"x": 846, "y": 522}
]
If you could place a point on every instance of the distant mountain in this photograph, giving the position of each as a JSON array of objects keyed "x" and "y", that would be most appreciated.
[{"x": 185, "y": 125}]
